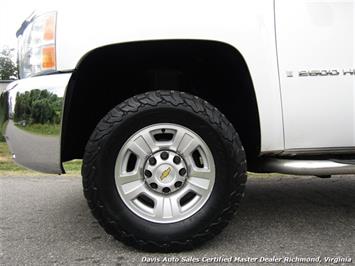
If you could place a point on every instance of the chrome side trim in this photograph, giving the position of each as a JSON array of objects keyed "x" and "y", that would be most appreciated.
[
  {"x": 35, "y": 105},
  {"x": 318, "y": 151},
  {"x": 305, "y": 167}
]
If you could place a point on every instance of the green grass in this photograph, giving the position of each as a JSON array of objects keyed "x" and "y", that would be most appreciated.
[
  {"x": 42, "y": 129},
  {"x": 73, "y": 167},
  {"x": 9, "y": 168},
  {"x": 7, "y": 165}
]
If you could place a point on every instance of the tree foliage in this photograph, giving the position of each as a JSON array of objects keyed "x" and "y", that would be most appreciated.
[
  {"x": 4, "y": 113},
  {"x": 8, "y": 69},
  {"x": 38, "y": 107}
]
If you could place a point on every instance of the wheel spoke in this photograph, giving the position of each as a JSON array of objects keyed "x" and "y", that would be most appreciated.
[
  {"x": 166, "y": 207},
  {"x": 140, "y": 148},
  {"x": 161, "y": 210},
  {"x": 198, "y": 185},
  {"x": 179, "y": 135},
  {"x": 135, "y": 190},
  {"x": 201, "y": 173},
  {"x": 187, "y": 145},
  {"x": 129, "y": 177},
  {"x": 150, "y": 141},
  {"x": 175, "y": 206}
]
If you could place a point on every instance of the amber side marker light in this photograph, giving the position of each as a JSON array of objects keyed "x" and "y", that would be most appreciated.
[
  {"x": 48, "y": 57},
  {"x": 48, "y": 51},
  {"x": 49, "y": 29}
]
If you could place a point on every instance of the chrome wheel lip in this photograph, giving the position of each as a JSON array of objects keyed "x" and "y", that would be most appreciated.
[{"x": 167, "y": 208}]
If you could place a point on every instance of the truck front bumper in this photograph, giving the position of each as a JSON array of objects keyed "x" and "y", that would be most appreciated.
[{"x": 31, "y": 117}]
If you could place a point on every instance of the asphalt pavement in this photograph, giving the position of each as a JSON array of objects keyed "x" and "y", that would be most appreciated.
[{"x": 45, "y": 221}]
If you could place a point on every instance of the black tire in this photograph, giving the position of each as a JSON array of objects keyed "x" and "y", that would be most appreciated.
[{"x": 132, "y": 115}]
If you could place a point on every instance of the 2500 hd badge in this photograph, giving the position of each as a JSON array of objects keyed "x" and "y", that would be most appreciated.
[{"x": 323, "y": 73}]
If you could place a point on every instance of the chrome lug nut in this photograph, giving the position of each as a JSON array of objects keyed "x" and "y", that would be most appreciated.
[
  {"x": 182, "y": 171},
  {"x": 148, "y": 173},
  {"x": 178, "y": 184},
  {"x": 153, "y": 185},
  {"x": 164, "y": 155},
  {"x": 166, "y": 190},
  {"x": 152, "y": 161},
  {"x": 177, "y": 160}
]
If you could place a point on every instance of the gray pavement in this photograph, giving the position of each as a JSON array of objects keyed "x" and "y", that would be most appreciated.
[{"x": 45, "y": 221}]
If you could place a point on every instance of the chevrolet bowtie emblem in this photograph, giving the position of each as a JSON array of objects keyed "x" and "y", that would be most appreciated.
[{"x": 165, "y": 174}]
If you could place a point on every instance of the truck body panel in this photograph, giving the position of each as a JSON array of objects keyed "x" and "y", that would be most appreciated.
[
  {"x": 246, "y": 25},
  {"x": 317, "y": 73}
]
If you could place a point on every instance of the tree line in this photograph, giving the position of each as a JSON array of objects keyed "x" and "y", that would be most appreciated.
[
  {"x": 4, "y": 113},
  {"x": 38, "y": 107}
]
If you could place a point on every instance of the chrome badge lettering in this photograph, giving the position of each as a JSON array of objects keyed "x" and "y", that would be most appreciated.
[
  {"x": 314, "y": 73},
  {"x": 321, "y": 73}
]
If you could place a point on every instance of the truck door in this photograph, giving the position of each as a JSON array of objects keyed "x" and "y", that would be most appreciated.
[{"x": 315, "y": 44}]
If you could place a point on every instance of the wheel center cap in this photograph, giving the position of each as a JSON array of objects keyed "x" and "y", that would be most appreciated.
[{"x": 165, "y": 171}]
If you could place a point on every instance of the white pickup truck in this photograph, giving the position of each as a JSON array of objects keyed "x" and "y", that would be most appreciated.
[{"x": 167, "y": 101}]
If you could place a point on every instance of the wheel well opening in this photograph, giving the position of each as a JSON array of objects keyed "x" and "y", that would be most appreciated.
[{"x": 108, "y": 75}]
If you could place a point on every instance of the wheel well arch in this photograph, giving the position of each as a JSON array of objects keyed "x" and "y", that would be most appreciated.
[{"x": 108, "y": 75}]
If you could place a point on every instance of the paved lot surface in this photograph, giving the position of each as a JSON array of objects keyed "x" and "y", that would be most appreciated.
[{"x": 45, "y": 220}]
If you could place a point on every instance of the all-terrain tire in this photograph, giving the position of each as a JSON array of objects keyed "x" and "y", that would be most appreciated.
[{"x": 118, "y": 126}]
